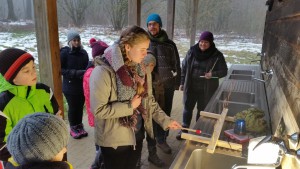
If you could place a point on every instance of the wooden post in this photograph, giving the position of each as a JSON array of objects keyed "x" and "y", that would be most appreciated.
[
  {"x": 194, "y": 22},
  {"x": 206, "y": 140},
  {"x": 46, "y": 28},
  {"x": 170, "y": 18},
  {"x": 134, "y": 12},
  {"x": 217, "y": 131}
]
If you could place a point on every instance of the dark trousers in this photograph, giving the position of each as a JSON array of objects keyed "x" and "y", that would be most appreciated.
[
  {"x": 193, "y": 98},
  {"x": 98, "y": 159},
  {"x": 161, "y": 135},
  {"x": 75, "y": 111},
  {"x": 124, "y": 157},
  {"x": 150, "y": 141}
]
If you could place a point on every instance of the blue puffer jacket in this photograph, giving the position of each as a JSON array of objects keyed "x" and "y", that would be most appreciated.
[{"x": 73, "y": 66}]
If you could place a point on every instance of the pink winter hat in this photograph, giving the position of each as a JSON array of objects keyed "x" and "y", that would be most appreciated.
[{"x": 98, "y": 47}]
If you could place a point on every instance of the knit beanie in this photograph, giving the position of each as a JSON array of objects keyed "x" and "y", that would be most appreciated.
[
  {"x": 149, "y": 59},
  {"x": 206, "y": 35},
  {"x": 154, "y": 17},
  {"x": 11, "y": 62},
  {"x": 37, "y": 137},
  {"x": 72, "y": 34},
  {"x": 98, "y": 47}
]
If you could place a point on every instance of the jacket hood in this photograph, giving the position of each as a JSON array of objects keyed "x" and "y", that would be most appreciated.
[
  {"x": 5, "y": 85},
  {"x": 114, "y": 56}
]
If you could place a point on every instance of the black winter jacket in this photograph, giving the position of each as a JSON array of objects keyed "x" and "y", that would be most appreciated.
[
  {"x": 73, "y": 66},
  {"x": 208, "y": 85},
  {"x": 167, "y": 60}
]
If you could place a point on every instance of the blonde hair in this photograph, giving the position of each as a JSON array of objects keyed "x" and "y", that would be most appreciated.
[{"x": 132, "y": 36}]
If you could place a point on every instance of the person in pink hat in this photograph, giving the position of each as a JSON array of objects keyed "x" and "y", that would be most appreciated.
[{"x": 98, "y": 48}]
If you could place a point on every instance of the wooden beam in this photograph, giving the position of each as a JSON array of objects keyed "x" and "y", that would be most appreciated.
[
  {"x": 170, "y": 18},
  {"x": 194, "y": 22},
  {"x": 215, "y": 116},
  {"x": 217, "y": 131},
  {"x": 46, "y": 28},
  {"x": 134, "y": 12},
  {"x": 206, "y": 140}
]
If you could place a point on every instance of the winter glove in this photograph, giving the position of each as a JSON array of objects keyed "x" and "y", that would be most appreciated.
[{"x": 79, "y": 74}]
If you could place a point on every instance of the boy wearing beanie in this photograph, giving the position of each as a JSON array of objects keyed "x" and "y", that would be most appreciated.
[
  {"x": 20, "y": 94},
  {"x": 98, "y": 48},
  {"x": 74, "y": 60},
  {"x": 38, "y": 141}
]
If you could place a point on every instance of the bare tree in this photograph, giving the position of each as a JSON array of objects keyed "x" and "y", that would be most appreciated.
[
  {"x": 153, "y": 6},
  {"x": 188, "y": 20},
  {"x": 11, "y": 13},
  {"x": 28, "y": 11},
  {"x": 212, "y": 15},
  {"x": 117, "y": 13},
  {"x": 75, "y": 9}
]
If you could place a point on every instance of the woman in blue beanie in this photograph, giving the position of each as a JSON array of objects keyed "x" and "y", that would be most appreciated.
[{"x": 202, "y": 67}]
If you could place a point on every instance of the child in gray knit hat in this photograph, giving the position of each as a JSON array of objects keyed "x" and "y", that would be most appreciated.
[
  {"x": 150, "y": 61},
  {"x": 39, "y": 141}
]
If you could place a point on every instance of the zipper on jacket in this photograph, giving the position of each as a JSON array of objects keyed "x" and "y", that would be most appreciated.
[{"x": 3, "y": 115}]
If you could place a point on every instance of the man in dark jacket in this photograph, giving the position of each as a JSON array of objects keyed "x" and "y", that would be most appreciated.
[
  {"x": 166, "y": 80},
  {"x": 202, "y": 67}
]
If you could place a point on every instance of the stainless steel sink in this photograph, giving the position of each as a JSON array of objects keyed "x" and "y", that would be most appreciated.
[
  {"x": 240, "y": 77},
  {"x": 238, "y": 97},
  {"x": 200, "y": 159},
  {"x": 233, "y": 108},
  {"x": 243, "y": 72}
]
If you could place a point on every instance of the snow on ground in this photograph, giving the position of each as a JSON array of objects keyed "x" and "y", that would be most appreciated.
[{"x": 27, "y": 41}]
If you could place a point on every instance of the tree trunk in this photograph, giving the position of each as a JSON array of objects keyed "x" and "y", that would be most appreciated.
[
  {"x": 194, "y": 24},
  {"x": 188, "y": 18},
  {"x": 75, "y": 9},
  {"x": 11, "y": 13},
  {"x": 117, "y": 12},
  {"x": 28, "y": 9}
]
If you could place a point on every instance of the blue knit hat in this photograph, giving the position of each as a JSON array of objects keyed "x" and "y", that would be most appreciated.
[
  {"x": 37, "y": 137},
  {"x": 154, "y": 17}
]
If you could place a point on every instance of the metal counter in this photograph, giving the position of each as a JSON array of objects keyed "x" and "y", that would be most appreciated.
[{"x": 247, "y": 90}]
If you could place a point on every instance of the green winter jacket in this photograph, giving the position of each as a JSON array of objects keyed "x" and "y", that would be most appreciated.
[{"x": 19, "y": 101}]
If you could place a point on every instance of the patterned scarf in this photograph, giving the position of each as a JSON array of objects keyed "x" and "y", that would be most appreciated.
[{"x": 128, "y": 77}]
